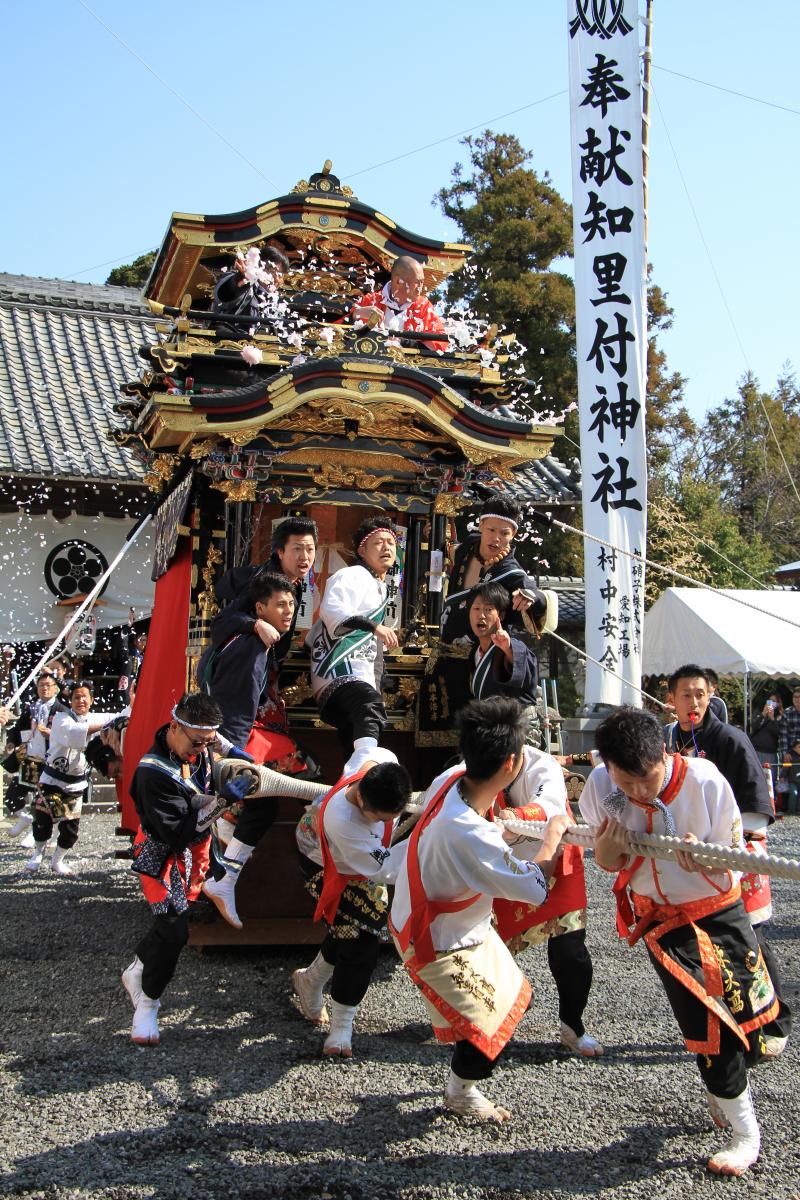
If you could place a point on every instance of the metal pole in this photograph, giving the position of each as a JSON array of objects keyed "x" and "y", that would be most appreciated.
[
  {"x": 89, "y": 600},
  {"x": 647, "y": 60}
]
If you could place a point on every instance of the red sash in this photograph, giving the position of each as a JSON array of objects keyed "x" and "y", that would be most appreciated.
[
  {"x": 334, "y": 881},
  {"x": 567, "y": 894},
  {"x": 625, "y": 916},
  {"x": 417, "y": 929}
]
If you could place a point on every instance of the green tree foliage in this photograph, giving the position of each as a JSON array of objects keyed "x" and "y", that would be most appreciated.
[
  {"x": 738, "y": 450},
  {"x": 519, "y": 227},
  {"x": 671, "y": 432},
  {"x": 134, "y": 274}
]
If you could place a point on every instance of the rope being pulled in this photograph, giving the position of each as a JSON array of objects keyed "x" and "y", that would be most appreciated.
[
  {"x": 652, "y": 845},
  {"x": 267, "y": 782}
]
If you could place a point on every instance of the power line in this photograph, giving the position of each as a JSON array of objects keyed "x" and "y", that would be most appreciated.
[
  {"x": 724, "y": 298},
  {"x": 730, "y": 91},
  {"x": 177, "y": 95},
  {"x": 111, "y": 262},
  {"x": 708, "y": 587},
  {"x": 452, "y": 136}
]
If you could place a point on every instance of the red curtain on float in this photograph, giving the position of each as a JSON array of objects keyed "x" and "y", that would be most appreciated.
[{"x": 163, "y": 672}]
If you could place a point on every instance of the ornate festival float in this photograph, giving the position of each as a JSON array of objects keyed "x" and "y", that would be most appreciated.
[{"x": 279, "y": 404}]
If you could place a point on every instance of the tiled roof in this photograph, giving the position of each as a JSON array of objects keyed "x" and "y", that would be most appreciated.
[
  {"x": 547, "y": 480},
  {"x": 65, "y": 350}
]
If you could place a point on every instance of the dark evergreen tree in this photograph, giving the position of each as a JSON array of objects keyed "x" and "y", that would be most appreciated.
[{"x": 134, "y": 274}]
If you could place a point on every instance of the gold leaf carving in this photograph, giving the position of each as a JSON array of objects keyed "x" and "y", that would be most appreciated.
[{"x": 236, "y": 490}]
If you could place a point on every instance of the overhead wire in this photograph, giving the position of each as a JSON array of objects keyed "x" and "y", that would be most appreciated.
[
  {"x": 724, "y": 298},
  {"x": 669, "y": 570},
  {"x": 176, "y": 94},
  {"x": 461, "y": 133},
  {"x": 730, "y": 91}
]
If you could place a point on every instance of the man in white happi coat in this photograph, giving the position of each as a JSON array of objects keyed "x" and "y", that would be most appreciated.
[
  {"x": 441, "y": 918},
  {"x": 348, "y": 639},
  {"x": 347, "y": 859},
  {"x": 697, "y": 933}
]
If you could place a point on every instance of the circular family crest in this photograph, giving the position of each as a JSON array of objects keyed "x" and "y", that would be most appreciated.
[{"x": 73, "y": 568}]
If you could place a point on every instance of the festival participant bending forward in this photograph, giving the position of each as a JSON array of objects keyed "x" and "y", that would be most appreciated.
[
  {"x": 348, "y": 833},
  {"x": 348, "y": 640},
  {"x": 537, "y": 793},
  {"x": 696, "y": 930},
  {"x": 441, "y": 919},
  {"x": 170, "y": 788}
]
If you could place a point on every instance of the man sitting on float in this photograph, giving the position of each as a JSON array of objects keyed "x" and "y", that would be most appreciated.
[
  {"x": 241, "y": 676},
  {"x": 348, "y": 639},
  {"x": 401, "y": 304},
  {"x": 487, "y": 557},
  {"x": 250, "y": 289},
  {"x": 294, "y": 548}
]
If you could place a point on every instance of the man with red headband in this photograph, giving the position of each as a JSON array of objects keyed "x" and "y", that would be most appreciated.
[
  {"x": 402, "y": 304},
  {"x": 348, "y": 640},
  {"x": 691, "y": 916}
]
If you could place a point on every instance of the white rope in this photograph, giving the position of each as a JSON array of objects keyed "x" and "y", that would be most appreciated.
[
  {"x": 655, "y": 845},
  {"x": 671, "y": 571}
]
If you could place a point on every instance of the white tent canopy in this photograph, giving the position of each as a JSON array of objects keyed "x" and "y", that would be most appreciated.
[{"x": 694, "y": 625}]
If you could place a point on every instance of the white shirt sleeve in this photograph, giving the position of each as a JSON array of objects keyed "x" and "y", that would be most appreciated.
[
  {"x": 365, "y": 754},
  {"x": 486, "y": 865},
  {"x": 342, "y": 600}
]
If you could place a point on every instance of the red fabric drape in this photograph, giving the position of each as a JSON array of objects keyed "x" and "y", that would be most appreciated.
[{"x": 163, "y": 674}]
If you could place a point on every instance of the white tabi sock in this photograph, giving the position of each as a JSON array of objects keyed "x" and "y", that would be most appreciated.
[
  {"x": 464, "y": 1098},
  {"x": 236, "y": 855},
  {"x": 58, "y": 856},
  {"x": 319, "y": 973},
  {"x": 743, "y": 1148},
  {"x": 35, "y": 861},
  {"x": 339, "y": 1040}
]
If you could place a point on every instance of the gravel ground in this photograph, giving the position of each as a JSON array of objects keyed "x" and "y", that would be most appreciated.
[{"x": 236, "y": 1101}]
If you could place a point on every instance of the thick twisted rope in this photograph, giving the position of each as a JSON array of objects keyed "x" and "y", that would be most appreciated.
[{"x": 649, "y": 845}]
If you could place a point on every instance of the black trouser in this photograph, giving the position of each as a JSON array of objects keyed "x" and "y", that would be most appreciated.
[
  {"x": 255, "y": 819},
  {"x": 723, "y": 1073},
  {"x": 353, "y": 961},
  {"x": 43, "y": 828},
  {"x": 571, "y": 968},
  {"x": 782, "y": 1025},
  {"x": 468, "y": 1062},
  {"x": 355, "y": 710},
  {"x": 159, "y": 950}
]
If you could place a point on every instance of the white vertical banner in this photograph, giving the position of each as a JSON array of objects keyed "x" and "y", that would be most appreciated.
[{"x": 611, "y": 315}]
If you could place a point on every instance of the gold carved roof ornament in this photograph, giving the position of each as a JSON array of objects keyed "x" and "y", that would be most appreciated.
[{"x": 236, "y": 491}]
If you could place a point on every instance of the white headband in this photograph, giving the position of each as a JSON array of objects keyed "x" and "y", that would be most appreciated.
[
  {"x": 181, "y": 721},
  {"x": 498, "y": 517},
  {"x": 372, "y": 532}
]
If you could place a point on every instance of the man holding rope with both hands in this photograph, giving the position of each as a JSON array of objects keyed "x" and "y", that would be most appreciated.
[{"x": 691, "y": 917}]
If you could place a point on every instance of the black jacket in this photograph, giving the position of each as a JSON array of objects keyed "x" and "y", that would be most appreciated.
[
  {"x": 733, "y": 754},
  {"x": 519, "y": 680},
  {"x": 168, "y": 808},
  {"x": 765, "y": 734},
  {"x": 237, "y": 675},
  {"x": 455, "y": 615},
  {"x": 239, "y": 614}
]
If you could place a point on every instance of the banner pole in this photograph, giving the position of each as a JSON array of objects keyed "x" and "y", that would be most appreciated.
[{"x": 87, "y": 601}]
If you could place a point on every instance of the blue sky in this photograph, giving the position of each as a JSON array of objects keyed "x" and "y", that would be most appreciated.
[{"x": 99, "y": 151}]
